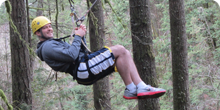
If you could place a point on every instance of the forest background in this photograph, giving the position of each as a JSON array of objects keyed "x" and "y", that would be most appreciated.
[{"x": 202, "y": 27}]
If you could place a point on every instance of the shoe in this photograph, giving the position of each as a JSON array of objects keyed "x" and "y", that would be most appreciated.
[
  {"x": 129, "y": 95},
  {"x": 150, "y": 92}
]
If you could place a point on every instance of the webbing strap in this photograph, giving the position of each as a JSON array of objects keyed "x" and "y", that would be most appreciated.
[{"x": 91, "y": 75}]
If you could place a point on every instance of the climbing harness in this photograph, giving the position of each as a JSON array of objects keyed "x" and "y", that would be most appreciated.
[{"x": 77, "y": 22}]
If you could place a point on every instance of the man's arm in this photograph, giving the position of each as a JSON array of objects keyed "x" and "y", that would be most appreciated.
[{"x": 61, "y": 51}]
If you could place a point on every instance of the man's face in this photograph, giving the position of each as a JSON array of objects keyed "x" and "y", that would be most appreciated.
[{"x": 47, "y": 31}]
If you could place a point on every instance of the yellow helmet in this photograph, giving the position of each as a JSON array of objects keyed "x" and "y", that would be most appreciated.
[{"x": 39, "y": 22}]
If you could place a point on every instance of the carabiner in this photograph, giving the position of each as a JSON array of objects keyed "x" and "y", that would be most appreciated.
[{"x": 80, "y": 20}]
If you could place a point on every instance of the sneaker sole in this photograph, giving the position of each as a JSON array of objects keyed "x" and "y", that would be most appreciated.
[
  {"x": 146, "y": 95},
  {"x": 130, "y": 97}
]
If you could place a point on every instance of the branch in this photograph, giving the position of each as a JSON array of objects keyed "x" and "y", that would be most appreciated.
[{"x": 2, "y": 95}]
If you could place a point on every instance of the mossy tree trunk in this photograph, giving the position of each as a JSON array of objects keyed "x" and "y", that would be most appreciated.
[
  {"x": 97, "y": 36},
  {"x": 20, "y": 57},
  {"x": 143, "y": 48},
  {"x": 179, "y": 55}
]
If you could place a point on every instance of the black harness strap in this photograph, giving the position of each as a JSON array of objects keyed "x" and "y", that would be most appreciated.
[
  {"x": 91, "y": 75},
  {"x": 73, "y": 68},
  {"x": 42, "y": 35}
]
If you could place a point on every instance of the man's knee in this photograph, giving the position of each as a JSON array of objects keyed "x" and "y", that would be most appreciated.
[
  {"x": 128, "y": 52},
  {"x": 121, "y": 49}
]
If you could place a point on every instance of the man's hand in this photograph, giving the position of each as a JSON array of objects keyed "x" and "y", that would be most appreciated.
[{"x": 80, "y": 31}]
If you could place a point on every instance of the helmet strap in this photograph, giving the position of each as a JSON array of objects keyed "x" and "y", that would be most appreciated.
[{"x": 42, "y": 35}]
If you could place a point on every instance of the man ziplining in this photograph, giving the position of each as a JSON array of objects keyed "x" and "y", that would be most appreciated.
[{"x": 89, "y": 68}]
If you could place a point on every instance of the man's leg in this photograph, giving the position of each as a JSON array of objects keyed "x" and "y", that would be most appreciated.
[
  {"x": 125, "y": 65},
  {"x": 128, "y": 71}
]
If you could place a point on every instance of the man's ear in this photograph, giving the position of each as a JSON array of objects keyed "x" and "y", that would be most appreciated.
[{"x": 37, "y": 33}]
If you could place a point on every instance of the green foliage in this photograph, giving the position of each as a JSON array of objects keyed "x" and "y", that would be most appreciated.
[
  {"x": 2, "y": 95},
  {"x": 52, "y": 94},
  {"x": 118, "y": 22},
  {"x": 202, "y": 26},
  {"x": 117, "y": 92},
  {"x": 80, "y": 97},
  {"x": 217, "y": 56},
  {"x": 3, "y": 18}
]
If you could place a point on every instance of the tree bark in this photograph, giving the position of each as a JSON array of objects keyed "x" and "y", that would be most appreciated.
[
  {"x": 39, "y": 5},
  {"x": 97, "y": 36},
  {"x": 143, "y": 48},
  {"x": 179, "y": 55},
  {"x": 20, "y": 57}
]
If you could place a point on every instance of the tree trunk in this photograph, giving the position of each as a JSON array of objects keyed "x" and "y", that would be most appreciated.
[
  {"x": 179, "y": 55},
  {"x": 20, "y": 57},
  {"x": 39, "y": 5},
  {"x": 143, "y": 48},
  {"x": 97, "y": 35}
]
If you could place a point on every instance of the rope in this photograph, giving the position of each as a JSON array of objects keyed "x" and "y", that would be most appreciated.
[
  {"x": 74, "y": 16},
  {"x": 85, "y": 46},
  {"x": 73, "y": 13},
  {"x": 81, "y": 41}
]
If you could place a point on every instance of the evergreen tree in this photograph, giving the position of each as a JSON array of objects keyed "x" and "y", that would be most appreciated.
[
  {"x": 20, "y": 57},
  {"x": 179, "y": 55},
  {"x": 40, "y": 6},
  {"x": 140, "y": 18},
  {"x": 97, "y": 36}
]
